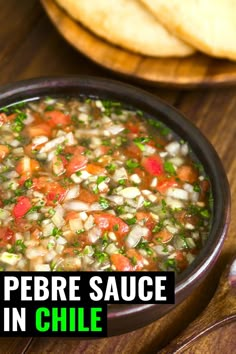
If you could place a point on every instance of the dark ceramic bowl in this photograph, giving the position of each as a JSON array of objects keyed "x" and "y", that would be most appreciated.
[{"x": 124, "y": 318}]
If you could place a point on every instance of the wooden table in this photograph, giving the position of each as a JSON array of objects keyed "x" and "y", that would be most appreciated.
[{"x": 31, "y": 47}]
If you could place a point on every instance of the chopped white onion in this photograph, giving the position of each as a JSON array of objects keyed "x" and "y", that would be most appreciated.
[
  {"x": 135, "y": 178},
  {"x": 38, "y": 140},
  {"x": 194, "y": 196},
  {"x": 75, "y": 224},
  {"x": 14, "y": 143},
  {"x": 33, "y": 216},
  {"x": 83, "y": 216},
  {"x": 120, "y": 173},
  {"x": 57, "y": 218},
  {"x": 115, "y": 129},
  {"x": 52, "y": 144},
  {"x": 184, "y": 149},
  {"x": 135, "y": 235},
  {"x": 10, "y": 258},
  {"x": 174, "y": 203},
  {"x": 130, "y": 192},
  {"x": 177, "y": 193},
  {"x": 29, "y": 119},
  {"x": 189, "y": 226},
  {"x": 61, "y": 240},
  {"x": 111, "y": 249},
  {"x": 72, "y": 193},
  {"x": 94, "y": 234},
  {"x": 76, "y": 206},
  {"x": 34, "y": 252},
  {"x": 173, "y": 148},
  {"x": 154, "y": 182},
  {"x": 188, "y": 187},
  {"x": 42, "y": 268},
  {"x": 95, "y": 206},
  {"x": 89, "y": 223},
  {"x": 117, "y": 199},
  {"x": 176, "y": 161},
  {"x": 48, "y": 229}
]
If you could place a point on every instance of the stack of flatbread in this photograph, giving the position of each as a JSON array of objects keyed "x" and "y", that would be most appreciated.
[{"x": 161, "y": 28}]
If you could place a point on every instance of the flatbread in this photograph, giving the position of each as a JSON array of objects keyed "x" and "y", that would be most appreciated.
[
  {"x": 126, "y": 23},
  {"x": 209, "y": 25}
]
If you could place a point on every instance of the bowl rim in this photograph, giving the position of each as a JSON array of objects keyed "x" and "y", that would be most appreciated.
[{"x": 150, "y": 104}]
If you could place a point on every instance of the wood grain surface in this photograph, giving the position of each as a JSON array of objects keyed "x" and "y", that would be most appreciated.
[
  {"x": 30, "y": 46},
  {"x": 195, "y": 70}
]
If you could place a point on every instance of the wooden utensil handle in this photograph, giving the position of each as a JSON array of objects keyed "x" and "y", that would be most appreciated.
[{"x": 220, "y": 311}]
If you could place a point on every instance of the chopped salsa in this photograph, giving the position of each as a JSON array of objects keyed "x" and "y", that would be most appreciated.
[{"x": 88, "y": 184}]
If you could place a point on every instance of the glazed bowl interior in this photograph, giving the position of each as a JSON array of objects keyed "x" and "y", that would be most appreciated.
[{"x": 123, "y": 318}]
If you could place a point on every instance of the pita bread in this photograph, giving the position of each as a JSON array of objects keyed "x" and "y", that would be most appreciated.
[
  {"x": 209, "y": 25},
  {"x": 126, "y": 23}
]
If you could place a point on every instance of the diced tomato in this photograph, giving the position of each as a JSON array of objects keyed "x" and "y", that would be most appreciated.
[
  {"x": 6, "y": 236},
  {"x": 75, "y": 150},
  {"x": 181, "y": 260},
  {"x": 165, "y": 183},
  {"x": 136, "y": 258},
  {"x": 56, "y": 118},
  {"x": 132, "y": 151},
  {"x": 76, "y": 163},
  {"x": 55, "y": 193},
  {"x": 36, "y": 234},
  {"x": 22, "y": 206},
  {"x": 4, "y": 151},
  {"x": 3, "y": 118},
  {"x": 187, "y": 173},
  {"x": 95, "y": 169},
  {"x": 121, "y": 262},
  {"x": 163, "y": 235},
  {"x": 86, "y": 196},
  {"x": 27, "y": 166},
  {"x": 204, "y": 185},
  {"x": 153, "y": 165},
  {"x": 39, "y": 129},
  {"x": 71, "y": 215},
  {"x": 58, "y": 165},
  {"x": 53, "y": 190},
  {"x": 133, "y": 127},
  {"x": 69, "y": 251},
  {"x": 109, "y": 222}
]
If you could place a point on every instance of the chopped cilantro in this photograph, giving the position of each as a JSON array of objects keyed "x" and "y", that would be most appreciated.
[
  {"x": 101, "y": 179},
  {"x": 147, "y": 203},
  {"x": 104, "y": 203},
  {"x": 170, "y": 263},
  {"x": 34, "y": 209},
  {"x": 81, "y": 231},
  {"x": 131, "y": 164},
  {"x": 139, "y": 113},
  {"x": 158, "y": 227},
  {"x": 18, "y": 247},
  {"x": 160, "y": 126},
  {"x": 49, "y": 108},
  {"x": 111, "y": 167},
  {"x": 100, "y": 256},
  {"x": 121, "y": 181},
  {"x": 169, "y": 168},
  {"x": 205, "y": 213},
  {"x": 116, "y": 227},
  {"x": 196, "y": 187},
  {"x": 28, "y": 183},
  {"x": 56, "y": 232},
  {"x": 144, "y": 245},
  {"x": 140, "y": 142},
  {"x": 131, "y": 221}
]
